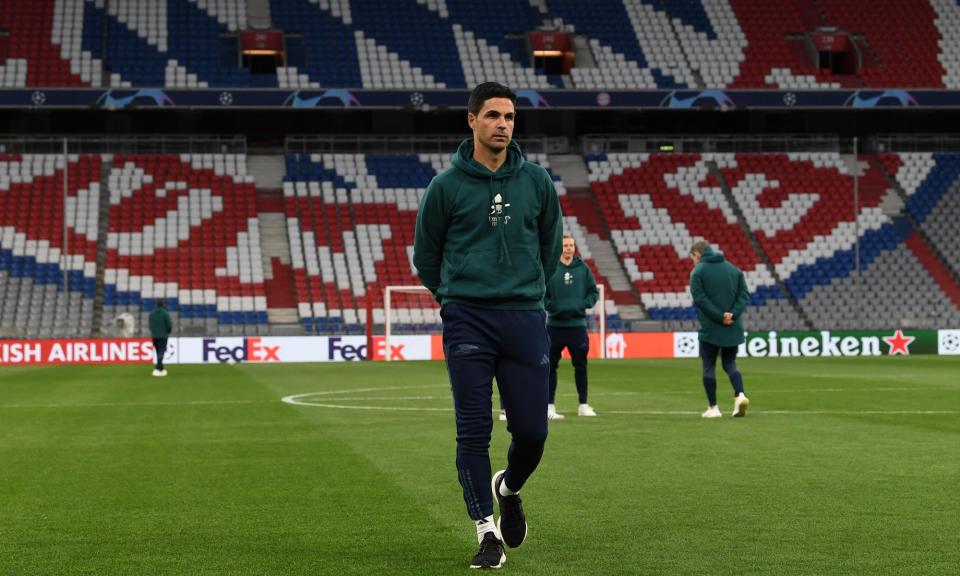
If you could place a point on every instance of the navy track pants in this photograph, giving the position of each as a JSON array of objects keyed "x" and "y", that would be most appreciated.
[
  {"x": 511, "y": 346},
  {"x": 576, "y": 340}
]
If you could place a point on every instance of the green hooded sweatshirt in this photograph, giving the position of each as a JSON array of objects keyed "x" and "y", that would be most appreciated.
[
  {"x": 489, "y": 239},
  {"x": 570, "y": 292},
  {"x": 160, "y": 324},
  {"x": 718, "y": 286}
]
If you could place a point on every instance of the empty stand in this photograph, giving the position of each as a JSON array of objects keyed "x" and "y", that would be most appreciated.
[
  {"x": 173, "y": 43},
  {"x": 331, "y": 49},
  {"x": 184, "y": 228},
  {"x": 892, "y": 290},
  {"x": 801, "y": 209},
  {"x": 769, "y": 61},
  {"x": 47, "y": 281},
  {"x": 903, "y": 37},
  {"x": 44, "y": 46},
  {"x": 612, "y": 26},
  {"x": 489, "y": 45},
  {"x": 930, "y": 182},
  {"x": 657, "y": 206},
  {"x": 633, "y": 44},
  {"x": 351, "y": 220},
  {"x": 711, "y": 38}
]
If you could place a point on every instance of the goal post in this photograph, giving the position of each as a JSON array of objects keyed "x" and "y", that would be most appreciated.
[
  {"x": 600, "y": 309},
  {"x": 400, "y": 297},
  {"x": 416, "y": 304}
]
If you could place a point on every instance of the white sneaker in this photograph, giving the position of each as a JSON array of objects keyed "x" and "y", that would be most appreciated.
[
  {"x": 156, "y": 372},
  {"x": 712, "y": 412},
  {"x": 503, "y": 415},
  {"x": 163, "y": 372},
  {"x": 586, "y": 410},
  {"x": 740, "y": 405},
  {"x": 552, "y": 413}
]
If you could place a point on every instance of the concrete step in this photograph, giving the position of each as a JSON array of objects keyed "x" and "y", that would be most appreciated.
[
  {"x": 259, "y": 16},
  {"x": 608, "y": 263},
  {"x": 892, "y": 204},
  {"x": 267, "y": 171},
  {"x": 287, "y": 330},
  {"x": 631, "y": 312},
  {"x": 571, "y": 168},
  {"x": 283, "y": 315}
]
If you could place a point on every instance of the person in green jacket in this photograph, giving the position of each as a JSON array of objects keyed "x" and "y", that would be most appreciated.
[
  {"x": 570, "y": 293},
  {"x": 720, "y": 295},
  {"x": 488, "y": 236},
  {"x": 160, "y": 328}
]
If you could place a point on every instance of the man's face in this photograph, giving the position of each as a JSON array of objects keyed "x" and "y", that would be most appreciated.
[
  {"x": 695, "y": 256},
  {"x": 569, "y": 247},
  {"x": 493, "y": 125}
]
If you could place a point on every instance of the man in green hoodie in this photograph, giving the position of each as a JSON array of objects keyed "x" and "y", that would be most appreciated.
[
  {"x": 570, "y": 293},
  {"x": 488, "y": 235},
  {"x": 720, "y": 295},
  {"x": 160, "y": 328}
]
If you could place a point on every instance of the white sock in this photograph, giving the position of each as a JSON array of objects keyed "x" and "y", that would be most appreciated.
[
  {"x": 484, "y": 526},
  {"x": 504, "y": 491}
]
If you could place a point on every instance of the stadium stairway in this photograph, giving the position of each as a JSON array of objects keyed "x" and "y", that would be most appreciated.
[
  {"x": 576, "y": 178},
  {"x": 608, "y": 264},
  {"x": 277, "y": 270},
  {"x": 268, "y": 171},
  {"x": 104, "y": 227},
  {"x": 258, "y": 14},
  {"x": 920, "y": 244}
]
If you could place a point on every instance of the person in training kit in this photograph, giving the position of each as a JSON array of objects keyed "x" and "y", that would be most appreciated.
[
  {"x": 570, "y": 293},
  {"x": 720, "y": 295},
  {"x": 160, "y": 328},
  {"x": 488, "y": 234}
]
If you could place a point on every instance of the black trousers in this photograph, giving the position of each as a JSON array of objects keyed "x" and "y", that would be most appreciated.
[
  {"x": 511, "y": 346},
  {"x": 575, "y": 340},
  {"x": 728, "y": 356},
  {"x": 160, "y": 345}
]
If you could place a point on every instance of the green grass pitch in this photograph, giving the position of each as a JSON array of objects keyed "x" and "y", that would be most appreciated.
[{"x": 842, "y": 466}]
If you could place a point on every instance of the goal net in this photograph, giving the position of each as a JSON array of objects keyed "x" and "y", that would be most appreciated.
[{"x": 412, "y": 310}]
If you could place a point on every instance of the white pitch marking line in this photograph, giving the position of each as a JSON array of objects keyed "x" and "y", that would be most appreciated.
[
  {"x": 447, "y": 397},
  {"x": 387, "y": 408},
  {"x": 299, "y": 400},
  {"x": 355, "y": 390},
  {"x": 128, "y": 404}
]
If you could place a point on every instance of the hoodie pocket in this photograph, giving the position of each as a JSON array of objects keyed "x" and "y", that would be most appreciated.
[{"x": 480, "y": 276}]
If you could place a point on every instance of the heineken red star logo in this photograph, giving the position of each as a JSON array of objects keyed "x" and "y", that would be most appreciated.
[{"x": 899, "y": 344}]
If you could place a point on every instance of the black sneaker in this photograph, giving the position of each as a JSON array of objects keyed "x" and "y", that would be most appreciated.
[
  {"x": 512, "y": 523},
  {"x": 490, "y": 554}
]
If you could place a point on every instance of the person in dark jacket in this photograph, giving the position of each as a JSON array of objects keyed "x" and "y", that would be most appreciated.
[
  {"x": 570, "y": 293},
  {"x": 488, "y": 236},
  {"x": 160, "y": 328},
  {"x": 720, "y": 295}
]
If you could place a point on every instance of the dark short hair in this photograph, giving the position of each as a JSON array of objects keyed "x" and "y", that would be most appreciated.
[
  {"x": 699, "y": 247},
  {"x": 161, "y": 303},
  {"x": 486, "y": 91}
]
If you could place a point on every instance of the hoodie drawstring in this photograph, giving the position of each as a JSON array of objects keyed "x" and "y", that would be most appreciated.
[{"x": 504, "y": 256}]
